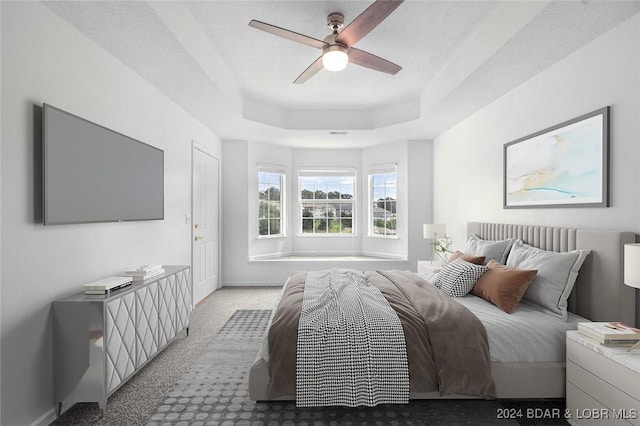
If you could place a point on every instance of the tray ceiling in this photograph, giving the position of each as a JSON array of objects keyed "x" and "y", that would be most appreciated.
[{"x": 457, "y": 56}]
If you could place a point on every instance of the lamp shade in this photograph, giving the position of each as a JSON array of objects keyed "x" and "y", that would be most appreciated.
[
  {"x": 434, "y": 230},
  {"x": 632, "y": 264},
  {"x": 335, "y": 58}
]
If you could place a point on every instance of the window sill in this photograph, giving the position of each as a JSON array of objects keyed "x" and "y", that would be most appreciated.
[
  {"x": 384, "y": 237},
  {"x": 310, "y": 235},
  {"x": 271, "y": 237},
  {"x": 329, "y": 258}
]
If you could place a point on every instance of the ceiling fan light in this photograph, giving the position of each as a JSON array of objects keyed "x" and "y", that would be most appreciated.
[{"x": 335, "y": 58}]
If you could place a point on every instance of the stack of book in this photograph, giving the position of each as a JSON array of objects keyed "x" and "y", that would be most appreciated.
[
  {"x": 107, "y": 285},
  {"x": 144, "y": 272},
  {"x": 610, "y": 333}
]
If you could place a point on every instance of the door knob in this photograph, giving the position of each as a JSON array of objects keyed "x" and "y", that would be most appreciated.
[{"x": 197, "y": 238}]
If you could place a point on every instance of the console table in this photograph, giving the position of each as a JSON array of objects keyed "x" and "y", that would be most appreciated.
[{"x": 101, "y": 341}]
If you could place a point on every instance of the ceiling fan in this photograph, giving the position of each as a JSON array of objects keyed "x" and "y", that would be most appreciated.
[{"x": 337, "y": 48}]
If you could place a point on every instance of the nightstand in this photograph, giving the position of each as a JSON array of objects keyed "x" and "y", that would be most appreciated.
[
  {"x": 603, "y": 383},
  {"x": 428, "y": 268}
]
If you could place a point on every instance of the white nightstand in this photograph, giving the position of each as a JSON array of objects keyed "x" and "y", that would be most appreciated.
[
  {"x": 426, "y": 267},
  {"x": 603, "y": 383}
]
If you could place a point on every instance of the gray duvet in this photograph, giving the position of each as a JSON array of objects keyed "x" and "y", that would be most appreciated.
[{"x": 447, "y": 346}]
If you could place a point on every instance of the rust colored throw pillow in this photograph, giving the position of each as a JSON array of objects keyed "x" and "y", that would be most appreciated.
[
  {"x": 503, "y": 286},
  {"x": 478, "y": 260}
]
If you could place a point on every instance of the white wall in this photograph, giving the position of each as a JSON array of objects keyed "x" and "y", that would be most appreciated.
[
  {"x": 420, "y": 177},
  {"x": 46, "y": 60},
  {"x": 414, "y": 160},
  {"x": 1, "y": 184},
  {"x": 468, "y": 158}
]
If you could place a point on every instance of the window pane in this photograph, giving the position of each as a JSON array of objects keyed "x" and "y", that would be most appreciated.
[
  {"x": 333, "y": 187},
  {"x": 391, "y": 226},
  {"x": 321, "y": 201},
  {"x": 391, "y": 207},
  {"x": 320, "y": 225},
  {"x": 274, "y": 209},
  {"x": 263, "y": 177},
  {"x": 262, "y": 189},
  {"x": 274, "y": 226},
  {"x": 307, "y": 225},
  {"x": 263, "y": 227},
  {"x": 383, "y": 206},
  {"x": 346, "y": 190},
  {"x": 270, "y": 203},
  {"x": 273, "y": 193},
  {"x": 329, "y": 210},
  {"x": 346, "y": 225},
  {"x": 344, "y": 210},
  {"x": 334, "y": 226},
  {"x": 263, "y": 210}
]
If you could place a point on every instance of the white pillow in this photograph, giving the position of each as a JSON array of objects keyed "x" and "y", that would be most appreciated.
[
  {"x": 457, "y": 278},
  {"x": 557, "y": 273},
  {"x": 496, "y": 250}
]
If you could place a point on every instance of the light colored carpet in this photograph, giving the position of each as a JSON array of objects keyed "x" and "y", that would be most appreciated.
[{"x": 134, "y": 402}]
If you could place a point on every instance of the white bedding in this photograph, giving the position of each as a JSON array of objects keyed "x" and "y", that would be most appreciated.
[{"x": 526, "y": 335}]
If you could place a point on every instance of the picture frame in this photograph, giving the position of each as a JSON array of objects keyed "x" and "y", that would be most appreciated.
[{"x": 566, "y": 165}]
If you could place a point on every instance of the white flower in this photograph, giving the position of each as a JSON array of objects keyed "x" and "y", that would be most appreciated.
[{"x": 442, "y": 245}]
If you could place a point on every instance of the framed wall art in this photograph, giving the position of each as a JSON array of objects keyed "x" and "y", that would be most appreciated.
[{"x": 566, "y": 165}]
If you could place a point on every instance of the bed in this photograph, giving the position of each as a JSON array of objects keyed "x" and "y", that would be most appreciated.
[{"x": 532, "y": 363}]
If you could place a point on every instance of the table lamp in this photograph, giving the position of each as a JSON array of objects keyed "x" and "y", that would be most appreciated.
[
  {"x": 434, "y": 231},
  {"x": 632, "y": 270}
]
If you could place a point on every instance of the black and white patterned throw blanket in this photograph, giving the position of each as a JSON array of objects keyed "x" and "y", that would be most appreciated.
[{"x": 351, "y": 349}]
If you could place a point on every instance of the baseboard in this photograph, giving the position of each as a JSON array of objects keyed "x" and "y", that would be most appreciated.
[
  {"x": 252, "y": 283},
  {"x": 45, "y": 419}
]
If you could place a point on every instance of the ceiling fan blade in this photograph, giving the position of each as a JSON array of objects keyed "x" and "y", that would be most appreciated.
[
  {"x": 289, "y": 35},
  {"x": 310, "y": 71},
  {"x": 368, "y": 60},
  {"x": 367, "y": 21}
]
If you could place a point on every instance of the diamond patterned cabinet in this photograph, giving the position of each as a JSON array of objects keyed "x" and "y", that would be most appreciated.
[{"x": 101, "y": 341}]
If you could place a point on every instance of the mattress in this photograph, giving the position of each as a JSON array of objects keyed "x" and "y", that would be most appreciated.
[{"x": 526, "y": 335}]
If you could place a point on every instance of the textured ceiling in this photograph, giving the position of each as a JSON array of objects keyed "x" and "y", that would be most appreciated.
[{"x": 457, "y": 56}]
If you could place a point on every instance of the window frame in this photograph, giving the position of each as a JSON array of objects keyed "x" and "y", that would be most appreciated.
[
  {"x": 372, "y": 172},
  {"x": 280, "y": 172},
  {"x": 334, "y": 172}
]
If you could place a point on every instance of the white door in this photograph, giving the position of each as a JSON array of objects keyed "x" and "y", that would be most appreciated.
[{"x": 205, "y": 223}]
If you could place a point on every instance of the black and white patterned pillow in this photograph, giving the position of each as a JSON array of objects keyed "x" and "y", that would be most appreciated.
[{"x": 458, "y": 277}]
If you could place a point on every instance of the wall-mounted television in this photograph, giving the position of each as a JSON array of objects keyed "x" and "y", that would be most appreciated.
[{"x": 94, "y": 174}]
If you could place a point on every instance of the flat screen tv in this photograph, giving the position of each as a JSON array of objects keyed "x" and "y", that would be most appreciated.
[{"x": 93, "y": 174}]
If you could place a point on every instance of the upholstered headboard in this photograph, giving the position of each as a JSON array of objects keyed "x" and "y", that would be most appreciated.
[{"x": 599, "y": 293}]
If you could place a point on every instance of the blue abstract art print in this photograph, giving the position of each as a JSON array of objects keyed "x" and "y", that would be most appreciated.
[{"x": 563, "y": 166}]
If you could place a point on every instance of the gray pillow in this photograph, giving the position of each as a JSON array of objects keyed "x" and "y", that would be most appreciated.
[
  {"x": 457, "y": 278},
  {"x": 557, "y": 273},
  {"x": 496, "y": 250}
]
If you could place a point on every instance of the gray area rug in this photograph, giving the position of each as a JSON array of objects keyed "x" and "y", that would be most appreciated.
[{"x": 214, "y": 391}]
